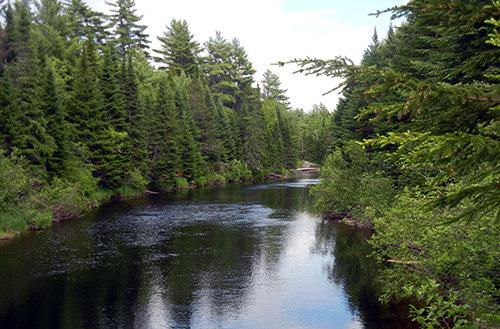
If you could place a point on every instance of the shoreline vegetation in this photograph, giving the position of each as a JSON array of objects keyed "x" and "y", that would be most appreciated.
[
  {"x": 415, "y": 157},
  {"x": 71, "y": 209}
]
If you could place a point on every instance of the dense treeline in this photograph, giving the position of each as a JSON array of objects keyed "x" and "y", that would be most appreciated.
[
  {"x": 416, "y": 152},
  {"x": 88, "y": 111}
]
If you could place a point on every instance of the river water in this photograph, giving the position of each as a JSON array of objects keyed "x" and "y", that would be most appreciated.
[{"x": 241, "y": 256}]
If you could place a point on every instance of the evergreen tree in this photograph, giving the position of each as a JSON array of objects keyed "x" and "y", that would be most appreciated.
[
  {"x": 128, "y": 32},
  {"x": 52, "y": 28},
  {"x": 271, "y": 88},
  {"x": 242, "y": 73},
  {"x": 57, "y": 126},
  {"x": 289, "y": 148},
  {"x": 24, "y": 123},
  {"x": 179, "y": 52},
  {"x": 134, "y": 115},
  {"x": 218, "y": 69},
  {"x": 253, "y": 130},
  {"x": 86, "y": 103},
  {"x": 110, "y": 157},
  {"x": 203, "y": 112},
  {"x": 84, "y": 23},
  {"x": 190, "y": 157},
  {"x": 163, "y": 148}
]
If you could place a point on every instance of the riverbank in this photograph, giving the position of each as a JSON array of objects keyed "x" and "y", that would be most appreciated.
[
  {"x": 71, "y": 204},
  {"x": 348, "y": 220}
]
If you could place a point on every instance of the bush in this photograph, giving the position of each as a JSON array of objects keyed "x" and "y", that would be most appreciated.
[
  {"x": 351, "y": 185},
  {"x": 449, "y": 270},
  {"x": 236, "y": 171},
  {"x": 216, "y": 179},
  {"x": 137, "y": 181},
  {"x": 21, "y": 204},
  {"x": 181, "y": 183},
  {"x": 69, "y": 199}
]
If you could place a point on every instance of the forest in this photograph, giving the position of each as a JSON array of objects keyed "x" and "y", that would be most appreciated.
[{"x": 88, "y": 112}]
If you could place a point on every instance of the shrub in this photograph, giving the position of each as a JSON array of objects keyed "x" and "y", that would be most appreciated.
[
  {"x": 235, "y": 171},
  {"x": 449, "y": 270},
  {"x": 181, "y": 183},
  {"x": 351, "y": 185},
  {"x": 216, "y": 179},
  {"x": 137, "y": 181}
]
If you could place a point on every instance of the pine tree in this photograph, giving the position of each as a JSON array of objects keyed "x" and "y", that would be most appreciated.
[
  {"x": 129, "y": 34},
  {"x": 223, "y": 131},
  {"x": 135, "y": 120},
  {"x": 163, "y": 148},
  {"x": 271, "y": 88},
  {"x": 7, "y": 32},
  {"x": 253, "y": 130},
  {"x": 289, "y": 148},
  {"x": 24, "y": 123},
  {"x": 219, "y": 70},
  {"x": 85, "y": 23},
  {"x": 179, "y": 52},
  {"x": 242, "y": 73},
  {"x": 190, "y": 157},
  {"x": 52, "y": 28},
  {"x": 203, "y": 113},
  {"x": 57, "y": 126},
  {"x": 85, "y": 106},
  {"x": 110, "y": 157}
]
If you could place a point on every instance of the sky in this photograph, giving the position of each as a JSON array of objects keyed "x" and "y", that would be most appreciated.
[{"x": 277, "y": 30}]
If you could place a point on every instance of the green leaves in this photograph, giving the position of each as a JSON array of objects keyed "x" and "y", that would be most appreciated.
[{"x": 351, "y": 186}]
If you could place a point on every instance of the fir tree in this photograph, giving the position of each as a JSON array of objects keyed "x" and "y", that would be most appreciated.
[
  {"x": 24, "y": 121},
  {"x": 57, "y": 126},
  {"x": 163, "y": 148},
  {"x": 179, "y": 52},
  {"x": 134, "y": 114},
  {"x": 190, "y": 157}
]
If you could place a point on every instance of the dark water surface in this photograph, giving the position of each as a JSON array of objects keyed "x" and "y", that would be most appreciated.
[{"x": 232, "y": 257}]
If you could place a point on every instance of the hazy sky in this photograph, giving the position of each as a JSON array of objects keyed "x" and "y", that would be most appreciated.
[{"x": 277, "y": 30}]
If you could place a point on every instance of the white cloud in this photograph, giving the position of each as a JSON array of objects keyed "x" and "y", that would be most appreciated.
[{"x": 269, "y": 34}]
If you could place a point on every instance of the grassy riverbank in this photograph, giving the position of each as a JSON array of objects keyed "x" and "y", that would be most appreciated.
[{"x": 31, "y": 201}]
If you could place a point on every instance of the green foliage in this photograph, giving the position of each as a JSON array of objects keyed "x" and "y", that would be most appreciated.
[
  {"x": 129, "y": 33},
  {"x": 271, "y": 88},
  {"x": 352, "y": 186},
  {"x": 448, "y": 269},
  {"x": 179, "y": 52},
  {"x": 181, "y": 183},
  {"x": 313, "y": 133},
  {"x": 236, "y": 171},
  {"x": 426, "y": 98},
  {"x": 85, "y": 116}
]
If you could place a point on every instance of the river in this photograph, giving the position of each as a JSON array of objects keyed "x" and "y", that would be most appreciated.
[{"x": 240, "y": 256}]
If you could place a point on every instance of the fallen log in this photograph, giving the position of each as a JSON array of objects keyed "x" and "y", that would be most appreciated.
[
  {"x": 401, "y": 261},
  {"x": 276, "y": 176}
]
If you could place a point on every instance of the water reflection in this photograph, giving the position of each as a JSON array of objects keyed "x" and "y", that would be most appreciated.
[{"x": 235, "y": 257}]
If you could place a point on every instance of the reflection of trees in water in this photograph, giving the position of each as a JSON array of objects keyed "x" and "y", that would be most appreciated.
[
  {"x": 204, "y": 262},
  {"x": 355, "y": 273}
]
